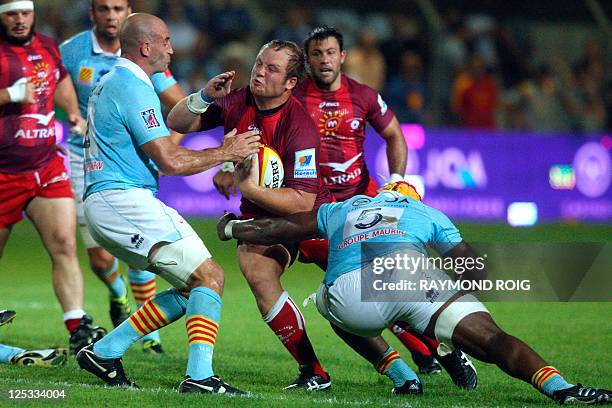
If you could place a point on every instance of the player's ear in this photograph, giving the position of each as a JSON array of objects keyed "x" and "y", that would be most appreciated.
[
  {"x": 291, "y": 83},
  {"x": 145, "y": 49},
  {"x": 91, "y": 14},
  {"x": 342, "y": 56}
]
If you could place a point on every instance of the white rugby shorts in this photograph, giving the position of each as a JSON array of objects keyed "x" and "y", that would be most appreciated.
[{"x": 127, "y": 223}]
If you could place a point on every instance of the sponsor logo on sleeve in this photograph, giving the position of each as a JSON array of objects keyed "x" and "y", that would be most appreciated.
[
  {"x": 382, "y": 104},
  {"x": 149, "y": 118},
  {"x": 305, "y": 164}
]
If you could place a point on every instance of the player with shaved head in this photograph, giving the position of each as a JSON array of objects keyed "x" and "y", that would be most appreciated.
[
  {"x": 126, "y": 146},
  {"x": 88, "y": 56}
]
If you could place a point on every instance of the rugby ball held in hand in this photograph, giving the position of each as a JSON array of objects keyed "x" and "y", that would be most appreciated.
[{"x": 271, "y": 170}]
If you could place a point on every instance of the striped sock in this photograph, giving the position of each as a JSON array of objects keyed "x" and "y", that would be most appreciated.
[
  {"x": 158, "y": 312},
  {"x": 8, "y": 352},
  {"x": 202, "y": 322},
  {"x": 547, "y": 380},
  {"x": 144, "y": 286},
  {"x": 395, "y": 368}
]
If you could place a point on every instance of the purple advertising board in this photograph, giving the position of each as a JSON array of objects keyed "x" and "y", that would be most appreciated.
[
  {"x": 468, "y": 175},
  {"x": 471, "y": 176}
]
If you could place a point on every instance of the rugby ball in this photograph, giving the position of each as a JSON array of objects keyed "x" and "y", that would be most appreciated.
[{"x": 271, "y": 170}]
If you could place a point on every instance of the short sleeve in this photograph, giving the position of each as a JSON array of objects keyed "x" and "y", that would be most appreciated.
[
  {"x": 445, "y": 235},
  {"x": 322, "y": 220},
  {"x": 142, "y": 115},
  {"x": 301, "y": 154},
  {"x": 379, "y": 114},
  {"x": 58, "y": 60},
  {"x": 162, "y": 81}
]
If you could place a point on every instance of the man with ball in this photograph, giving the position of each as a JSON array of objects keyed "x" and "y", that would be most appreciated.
[{"x": 267, "y": 105}]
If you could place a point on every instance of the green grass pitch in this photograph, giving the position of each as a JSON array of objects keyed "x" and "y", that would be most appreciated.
[{"x": 574, "y": 337}]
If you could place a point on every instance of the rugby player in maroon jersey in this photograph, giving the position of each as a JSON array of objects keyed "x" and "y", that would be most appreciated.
[
  {"x": 268, "y": 106},
  {"x": 33, "y": 178}
]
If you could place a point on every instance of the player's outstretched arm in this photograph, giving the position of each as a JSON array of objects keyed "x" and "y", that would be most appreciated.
[
  {"x": 186, "y": 116},
  {"x": 65, "y": 97},
  {"x": 170, "y": 97},
  {"x": 396, "y": 150},
  {"x": 470, "y": 261},
  {"x": 267, "y": 231},
  {"x": 174, "y": 160}
]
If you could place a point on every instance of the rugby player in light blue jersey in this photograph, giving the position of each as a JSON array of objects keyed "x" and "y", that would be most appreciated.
[
  {"x": 126, "y": 146},
  {"x": 393, "y": 223},
  {"x": 88, "y": 56}
]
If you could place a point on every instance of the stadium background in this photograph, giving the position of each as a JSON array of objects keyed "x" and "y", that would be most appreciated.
[{"x": 547, "y": 62}]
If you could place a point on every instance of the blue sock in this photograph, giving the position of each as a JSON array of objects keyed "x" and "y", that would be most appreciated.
[
  {"x": 117, "y": 289},
  {"x": 395, "y": 368},
  {"x": 8, "y": 352},
  {"x": 143, "y": 287},
  {"x": 548, "y": 380},
  {"x": 202, "y": 322},
  {"x": 158, "y": 312}
]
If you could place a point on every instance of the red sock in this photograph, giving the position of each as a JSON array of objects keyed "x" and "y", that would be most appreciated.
[
  {"x": 72, "y": 324},
  {"x": 287, "y": 322},
  {"x": 410, "y": 341}
]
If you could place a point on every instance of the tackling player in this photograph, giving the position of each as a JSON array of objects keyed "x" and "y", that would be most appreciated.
[
  {"x": 33, "y": 178},
  {"x": 88, "y": 56},
  {"x": 267, "y": 105},
  {"x": 396, "y": 222},
  {"x": 126, "y": 147},
  {"x": 340, "y": 108}
]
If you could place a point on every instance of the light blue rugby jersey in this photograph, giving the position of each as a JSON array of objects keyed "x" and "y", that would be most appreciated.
[
  {"x": 87, "y": 62},
  {"x": 124, "y": 113},
  {"x": 391, "y": 218}
]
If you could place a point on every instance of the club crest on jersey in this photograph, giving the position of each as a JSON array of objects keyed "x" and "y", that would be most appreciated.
[
  {"x": 86, "y": 75},
  {"x": 330, "y": 122},
  {"x": 149, "y": 118},
  {"x": 305, "y": 164}
]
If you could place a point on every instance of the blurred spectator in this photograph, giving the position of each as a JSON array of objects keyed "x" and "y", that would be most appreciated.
[
  {"x": 475, "y": 95},
  {"x": 482, "y": 29},
  {"x": 589, "y": 112},
  {"x": 406, "y": 35},
  {"x": 185, "y": 38},
  {"x": 536, "y": 104},
  {"x": 365, "y": 63},
  {"x": 546, "y": 103},
  {"x": 230, "y": 20},
  {"x": 406, "y": 92},
  {"x": 295, "y": 27}
]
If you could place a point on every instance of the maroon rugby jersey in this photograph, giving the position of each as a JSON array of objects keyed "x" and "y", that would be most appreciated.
[
  {"x": 287, "y": 129},
  {"x": 27, "y": 131},
  {"x": 340, "y": 117}
]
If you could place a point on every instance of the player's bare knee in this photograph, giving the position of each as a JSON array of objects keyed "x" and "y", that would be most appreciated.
[
  {"x": 209, "y": 275},
  {"x": 64, "y": 245},
  {"x": 100, "y": 261}
]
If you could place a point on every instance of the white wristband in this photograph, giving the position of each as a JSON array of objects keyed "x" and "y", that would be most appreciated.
[
  {"x": 197, "y": 104},
  {"x": 228, "y": 228},
  {"x": 230, "y": 225},
  {"x": 395, "y": 177},
  {"x": 17, "y": 91}
]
